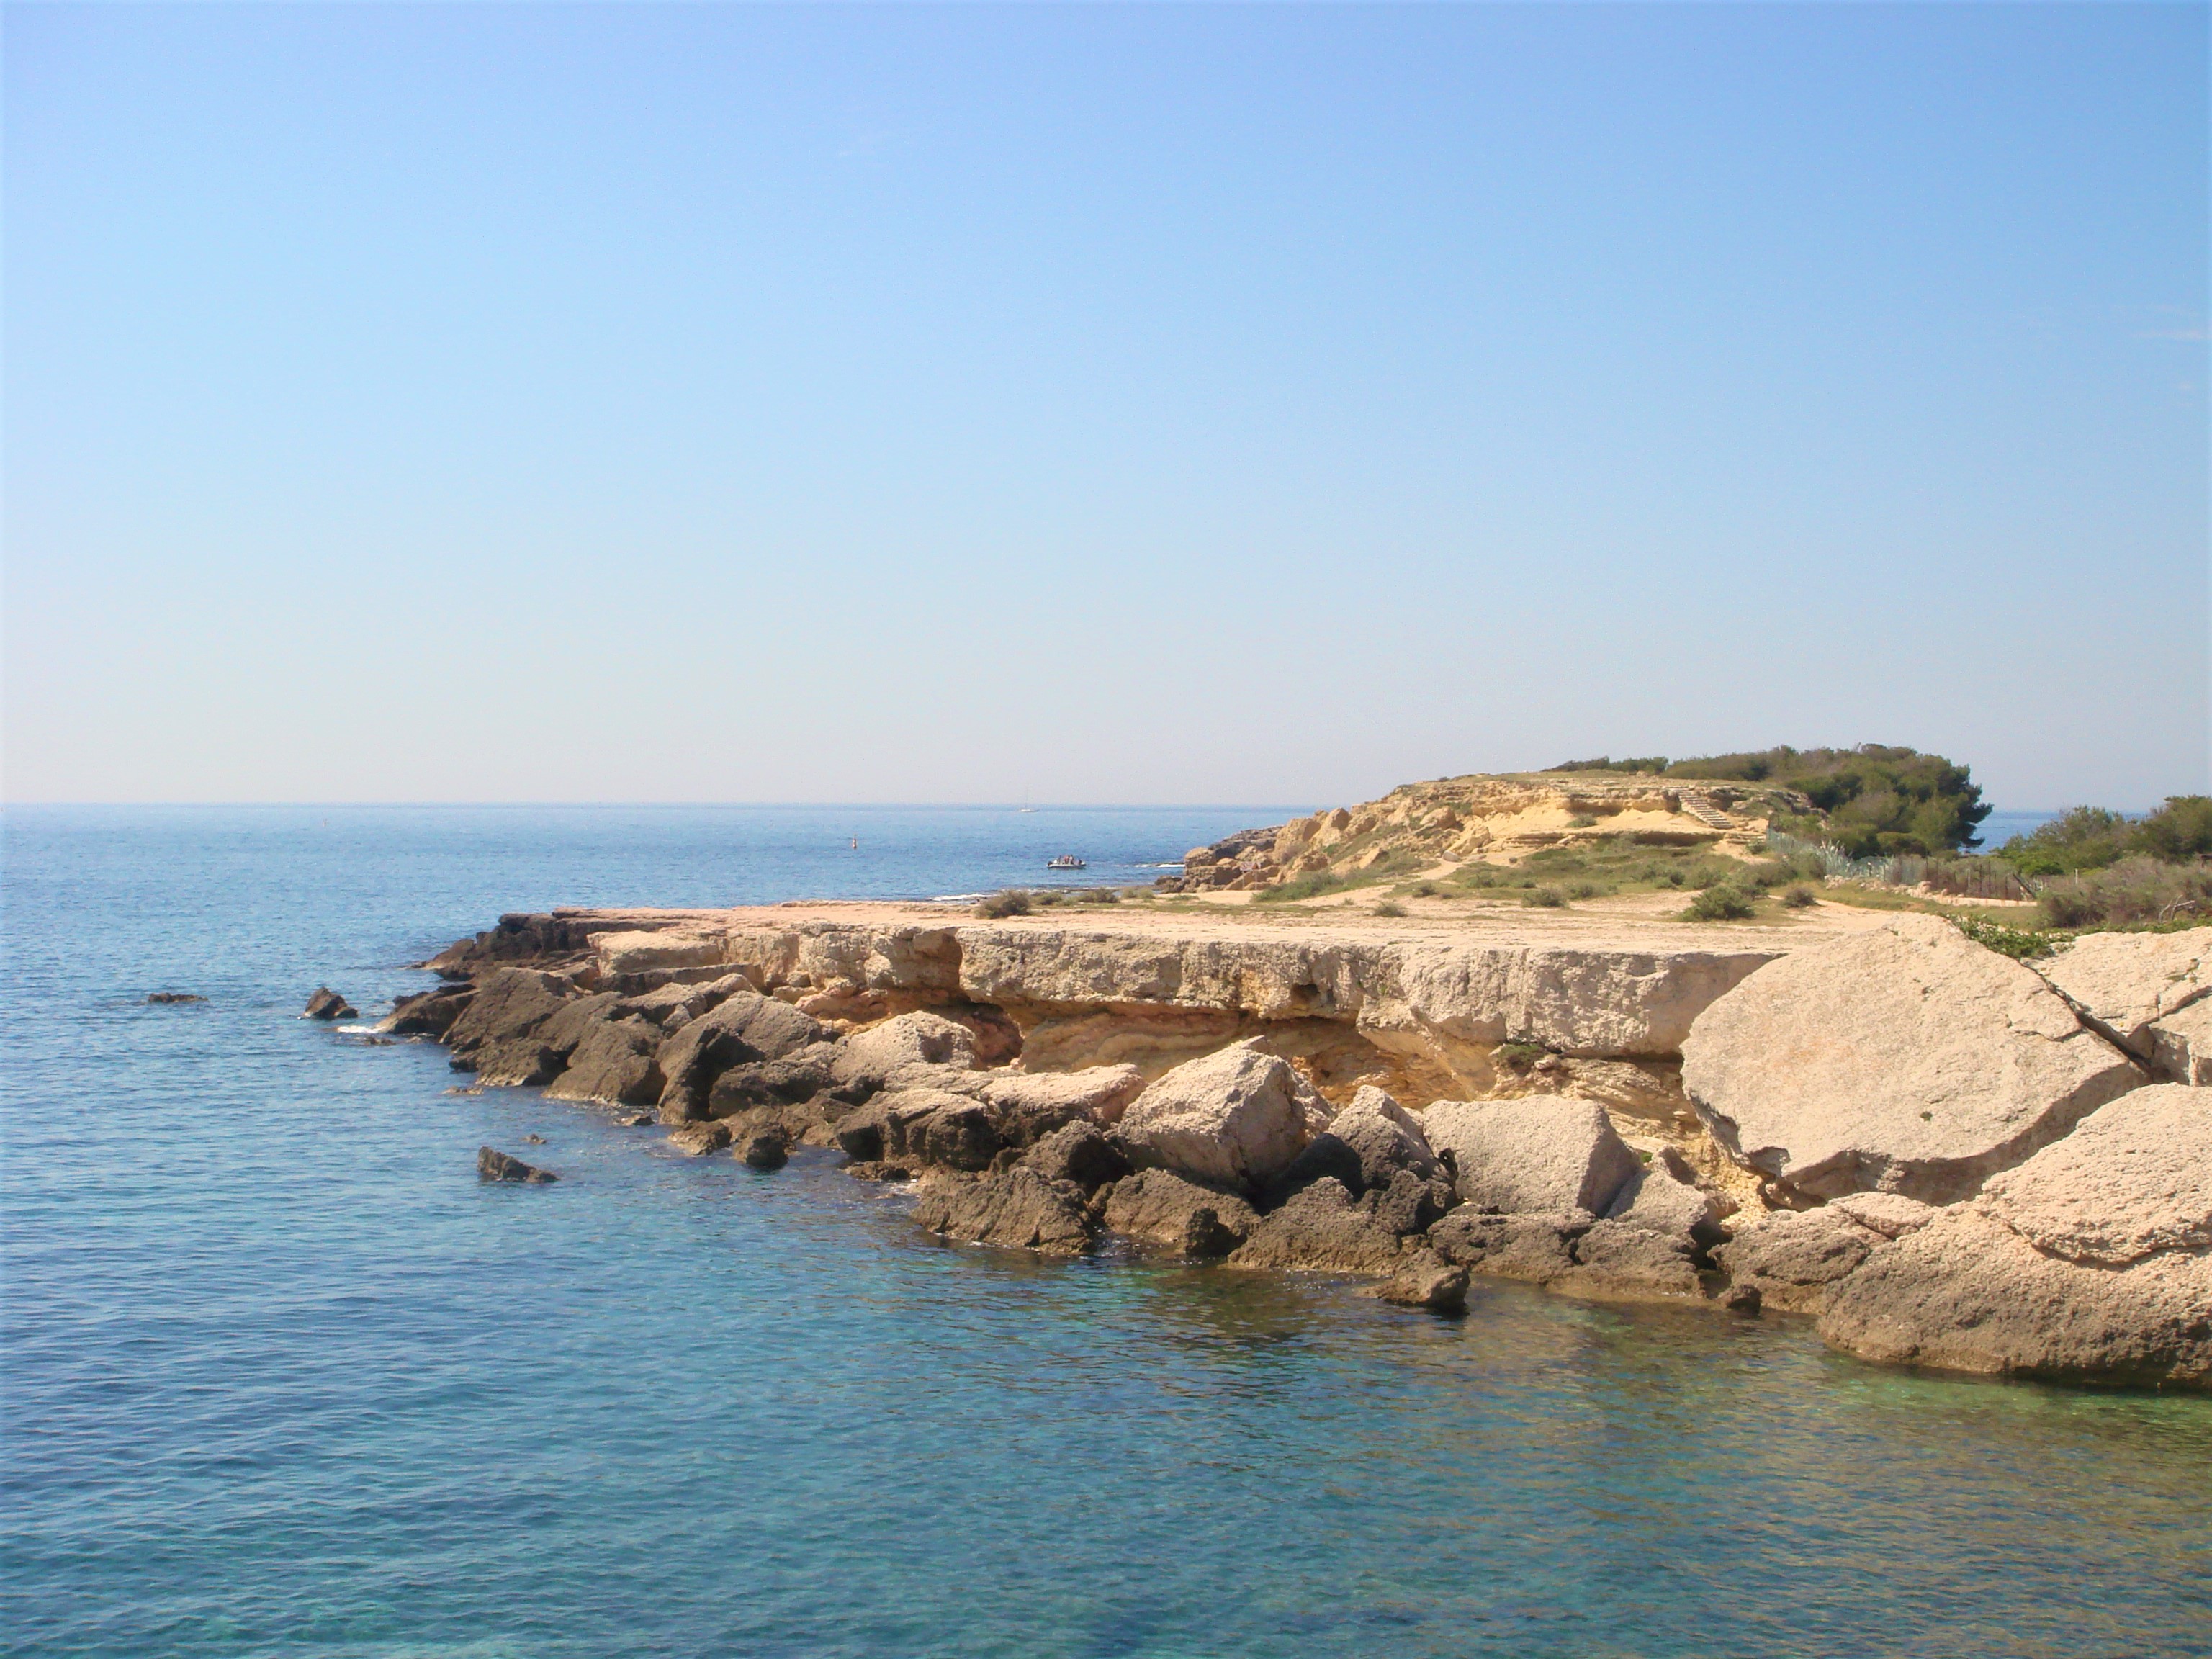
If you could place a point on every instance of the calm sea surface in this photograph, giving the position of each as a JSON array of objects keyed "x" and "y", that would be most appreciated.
[{"x": 281, "y": 1378}]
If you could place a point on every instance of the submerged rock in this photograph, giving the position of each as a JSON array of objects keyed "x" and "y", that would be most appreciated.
[
  {"x": 1534, "y": 1248},
  {"x": 175, "y": 997},
  {"x": 326, "y": 1004},
  {"x": 499, "y": 1166},
  {"x": 1904, "y": 1058},
  {"x": 1238, "y": 1118}
]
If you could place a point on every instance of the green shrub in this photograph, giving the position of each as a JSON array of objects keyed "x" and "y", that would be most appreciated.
[
  {"x": 1007, "y": 902},
  {"x": 2086, "y": 838},
  {"x": 1427, "y": 889},
  {"x": 1718, "y": 903},
  {"x": 2018, "y": 942},
  {"x": 1518, "y": 1056},
  {"x": 1583, "y": 890},
  {"x": 1582, "y": 821},
  {"x": 1798, "y": 898},
  {"x": 1545, "y": 898},
  {"x": 1389, "y": 907}
]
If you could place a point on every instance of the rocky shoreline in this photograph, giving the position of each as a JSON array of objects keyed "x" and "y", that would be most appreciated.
[{"x": 1947, "y": 1157}]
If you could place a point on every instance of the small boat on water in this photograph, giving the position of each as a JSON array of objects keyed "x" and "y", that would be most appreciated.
[{"x": 1065, "y": 861}]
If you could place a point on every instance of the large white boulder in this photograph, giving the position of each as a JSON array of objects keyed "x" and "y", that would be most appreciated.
[
  {"x": 2092, "y": 1259},
  {"x": 1233, "y": 1119},
  {"x": 1903, "y": 1059},
  {"x": 2133, "y": 1181},
  {"x": 1533, "y": 1154}
]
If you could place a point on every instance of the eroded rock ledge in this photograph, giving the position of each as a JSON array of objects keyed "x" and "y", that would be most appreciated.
[{"x": 1948, "y": 1157}]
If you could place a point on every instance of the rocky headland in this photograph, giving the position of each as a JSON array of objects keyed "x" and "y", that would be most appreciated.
[{"x": 1946, "y": 1157}]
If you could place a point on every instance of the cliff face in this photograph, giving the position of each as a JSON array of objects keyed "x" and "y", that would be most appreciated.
[
  {"x": 1429, "y": 1018},
  {"x": 1497, "y": 820}
]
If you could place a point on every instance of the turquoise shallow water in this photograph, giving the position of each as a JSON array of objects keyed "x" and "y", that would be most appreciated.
[{"x": 281, "y": 1378}]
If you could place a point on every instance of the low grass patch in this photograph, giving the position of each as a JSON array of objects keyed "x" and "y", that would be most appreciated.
[{"x": 1314, "y": 885}]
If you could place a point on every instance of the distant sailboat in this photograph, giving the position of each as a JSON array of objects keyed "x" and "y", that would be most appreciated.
[{"x": 1025, "y": 806}]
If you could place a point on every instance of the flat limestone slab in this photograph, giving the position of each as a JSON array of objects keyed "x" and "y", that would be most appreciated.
[{"x": 1906, "y": 1059}]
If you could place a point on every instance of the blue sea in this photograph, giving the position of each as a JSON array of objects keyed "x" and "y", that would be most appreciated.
[{"x": 281, "y": 1378}]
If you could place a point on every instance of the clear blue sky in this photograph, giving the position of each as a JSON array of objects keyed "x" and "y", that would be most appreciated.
[{"x": 1163, "y": 404}]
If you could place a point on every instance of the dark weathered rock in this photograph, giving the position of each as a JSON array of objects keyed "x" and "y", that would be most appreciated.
[
  {"x": 767, "y": 1151},
  {"x": 1322, "y": 1227},
  {"x": 1794, "y": 1259},
  {"x": 173, "y": 997},
  {"x": 744, "y": 1029},
  {"x": 1079, "y": 1153},
  {"x": 1410, "y": 1205},
  {"x": 797, "y": 1076},
  {"x": 498, "y": 1166},
  {"x": 521, "y": 1062},
  {"x": 509, "y": 1004},
  {"x": 1157, "y": 1206},
  {"x": 1535, "y": 1249},
  {"x": 674, "y": 1005},
  {"x": 427, "y": 1013},
  {"x": 1618, "y": 1261},
  {"x": 1017, "y": 1208},
  {"x": 327, "y": 1004},
  {"x": 613, "y": 1063},
  {"x": 1365, "y": 1146}
]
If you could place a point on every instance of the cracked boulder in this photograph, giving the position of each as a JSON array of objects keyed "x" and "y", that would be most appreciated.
[
  {"x": 1533, "y": 1154},
  {"x": 2149, "y": 992},
  {"x": 1904, "y": 1059},
  {"x": 1236, "y": 1119}
]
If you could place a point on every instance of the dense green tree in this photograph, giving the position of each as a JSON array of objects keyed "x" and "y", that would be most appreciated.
[{"x": 1875, "y": 798}]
